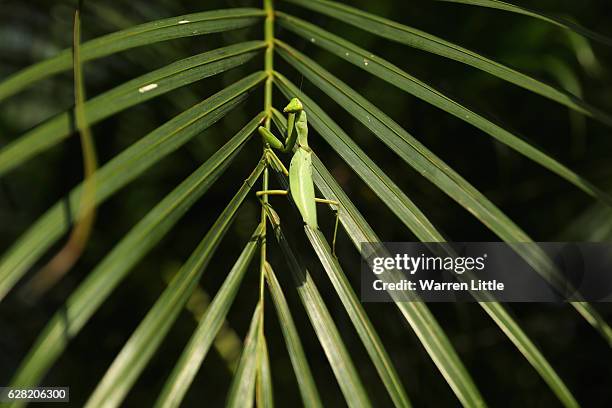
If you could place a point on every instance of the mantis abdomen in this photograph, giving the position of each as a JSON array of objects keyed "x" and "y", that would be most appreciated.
[{"x": 301, "y": 185}]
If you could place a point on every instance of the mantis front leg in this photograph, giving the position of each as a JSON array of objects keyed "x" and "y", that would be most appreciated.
[{"x": 292, "y": 109}]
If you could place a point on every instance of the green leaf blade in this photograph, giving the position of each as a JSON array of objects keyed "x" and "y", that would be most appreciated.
[
  {"x": 243, "y": 385},
  {"x": 147, "y": 33},
  {"x": 412, "y": 37},
  {"x": 87, "y": 298},
  {"x": 361, "y": 322},
  {"x": 325, "y": 328},
  {"x": 264, "y": 390},
  {"x": 145, "y": 340},
  {"x": 559, "y": 22},
  {"x": 504, "y": 320},
  {"x": 189, "y": 362},
  {"x": 303, "y": 374},
  {"x": 402, "y": 80},
  {"x": 131, "y": 93},
  {"x": 118, "y": 172}
]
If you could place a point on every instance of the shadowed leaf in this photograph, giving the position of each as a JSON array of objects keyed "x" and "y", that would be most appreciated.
[
  {"x": 134, "y": 92},
  {"x": 412, "y": 37},
  {"x": 196, "y": 350},
  {"x": 402, "y": 80},
  {"x": 99, "y": 284},
  {"x": 118, "y": 172},
  {"x": 559, "y": 22},
  {"x": 145, "y": 34},
  {"x": 145, "y": 340}
]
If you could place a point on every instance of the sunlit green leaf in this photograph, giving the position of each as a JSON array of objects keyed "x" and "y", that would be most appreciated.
[
  {"x": 303, "y": 374},
  {"x": 325, "y": 328}
]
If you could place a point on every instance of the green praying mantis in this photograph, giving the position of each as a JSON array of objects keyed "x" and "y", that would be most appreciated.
[{"x": 301, "y": 186}]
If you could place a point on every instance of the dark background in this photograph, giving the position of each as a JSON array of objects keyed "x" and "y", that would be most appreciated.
[{"x": 545, "y": 206}]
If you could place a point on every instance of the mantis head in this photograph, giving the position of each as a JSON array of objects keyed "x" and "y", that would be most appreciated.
[{"x": 294, "y": 106}]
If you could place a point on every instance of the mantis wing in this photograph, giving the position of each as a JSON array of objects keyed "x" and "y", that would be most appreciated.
[{"x": 302, "y": 187}]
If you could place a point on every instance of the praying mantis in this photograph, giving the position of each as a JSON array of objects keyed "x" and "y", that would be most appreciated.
[{"x": 301, "y": 185}]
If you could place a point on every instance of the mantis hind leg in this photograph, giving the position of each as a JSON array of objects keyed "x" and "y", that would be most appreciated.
[
  {"x": 275, "y": 162},
  {"x": 275, "y": 217},
  {"x": 271, "y": 192},
  {"x": 270, "y": 212},
  {"x": 337, "y": 205}
]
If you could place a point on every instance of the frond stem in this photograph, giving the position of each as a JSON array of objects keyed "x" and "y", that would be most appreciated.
[
  {"x": 269, "y": 57},
  {"x": 269, "y": 69}
]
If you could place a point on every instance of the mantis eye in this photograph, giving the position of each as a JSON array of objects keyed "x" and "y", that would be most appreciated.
[{"x": 293, "y": 106}]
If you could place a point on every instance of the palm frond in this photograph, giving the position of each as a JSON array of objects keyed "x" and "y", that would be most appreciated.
[
  {"x": 511, "y": 234},
  {"x": 134, "y": 92},
  {"x": 557, "y": 21},
  {"x": 359, "y": 231},
  {"x": 429, "y": 165},
  {"x": 388, "y": 72},
  {"x": 412, "y": 37},
  {"x": 301, "y": 368},
  {"x": 118, "y": 172},
  {"x": 187, "y": 25},
  {"x": 87, "y": 298},
  {"x": 325, "y": 328},
  {"x": 252, "y": 380},
  {"x": 194, "y": 353},
  {"x": 415, "y": 312},
  {"x": 349, "y": 299},
  {"x": 360, "y": 319},
  {"x": 145, "y": 340},
  {"x": 243, "y": 386}
]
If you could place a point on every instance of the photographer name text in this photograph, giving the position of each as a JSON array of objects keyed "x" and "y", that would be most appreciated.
[{"x": 431, "y": 285}]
